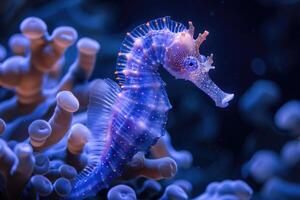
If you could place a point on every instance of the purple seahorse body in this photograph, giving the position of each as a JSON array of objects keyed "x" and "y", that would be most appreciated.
[{"x": 131, "y": 117}]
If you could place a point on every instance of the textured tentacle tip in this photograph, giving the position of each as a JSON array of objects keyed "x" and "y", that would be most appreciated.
[
  {"x": 64, "y": 36},
  {"x": 263, "y": 166},
  {"x": 287, "y": 117},
  {"x": 77, "y": 138},
  {"x": 185, "y": 185},
  {"x": 162, "y": 168},
  {"x": 151, "y": 187},
  {"x": 67, "y": 101},
  {"x": 62, "y": 187},
  {"x": 41, "y": 185},
  {"x": 25, "y": 162},
  {"x": 39, "y": 131},
  {"x": 42, "y": 164},
  {"x": 168, "y": 167},
  {"x": 228, "y": 189},
  {"x": 121, "y": 192},
  {"x": 18, "y": 44},
  {"x": 67, "y": 171},
  {"x": 289, "y": 153},
  {"x": 174, "y": 192},
  {"x": 88, "y": 46},
  {"x": 33, "y": 27},
  {"x": 23, "y": 150}
]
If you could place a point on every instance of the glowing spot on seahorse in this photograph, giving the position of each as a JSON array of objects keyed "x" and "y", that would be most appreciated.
[
  {"x": 127, "y": 71},
  {"x": 141, "y": 123},
  {"x": 138, "y": 42},
  {"x": 135, "y": 86},
  {"x": 128, "y": 56},
  {"x": 151, "y": 106}
]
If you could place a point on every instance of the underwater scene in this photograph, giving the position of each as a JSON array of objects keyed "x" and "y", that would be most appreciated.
[{"x": 150, "y": 100}]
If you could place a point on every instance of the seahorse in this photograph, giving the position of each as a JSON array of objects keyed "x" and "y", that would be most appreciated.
[{"x": 130, "y": 116}]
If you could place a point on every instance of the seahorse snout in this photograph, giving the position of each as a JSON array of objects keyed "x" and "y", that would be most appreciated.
[
  {"x": 203, "y": 82},
  {"x": 226, "y": 99}
]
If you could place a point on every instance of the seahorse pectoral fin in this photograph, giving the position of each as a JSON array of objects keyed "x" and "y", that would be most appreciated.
[{"x": 204, "y": 82}]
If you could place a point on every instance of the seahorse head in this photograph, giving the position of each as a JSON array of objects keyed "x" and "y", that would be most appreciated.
[{"x": 184, "y": 61}]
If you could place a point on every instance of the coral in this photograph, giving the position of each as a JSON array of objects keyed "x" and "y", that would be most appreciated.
[
  {"x": 288, "y": 118},
  {"x": 256, "y": 102},
  {"x": 233, "y": 190},
  {"x": 276, "y": 172},
  {"x": 29, "y": 73},
  {"x": 121, "y": 192},
  {"x": 174, "y": 192},
  {"x": 156, "y": 169},
  {"x": 37, "y": 120},
  {"x": 263, "y": 166},
  {"x": 273, "y": 169}
]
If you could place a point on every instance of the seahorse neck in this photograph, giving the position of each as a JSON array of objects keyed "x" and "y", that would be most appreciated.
[
  {"x": 138, "y": 74},
  {"x": 143, "y": 59}
]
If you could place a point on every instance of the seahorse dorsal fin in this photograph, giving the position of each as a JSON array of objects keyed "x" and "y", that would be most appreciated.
[
  {"x": 103, "y": 94},
  {"x": 153, "y": 25}
]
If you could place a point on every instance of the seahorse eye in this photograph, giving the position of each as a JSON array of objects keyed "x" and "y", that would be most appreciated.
[{"x": 191, "y": 63}]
